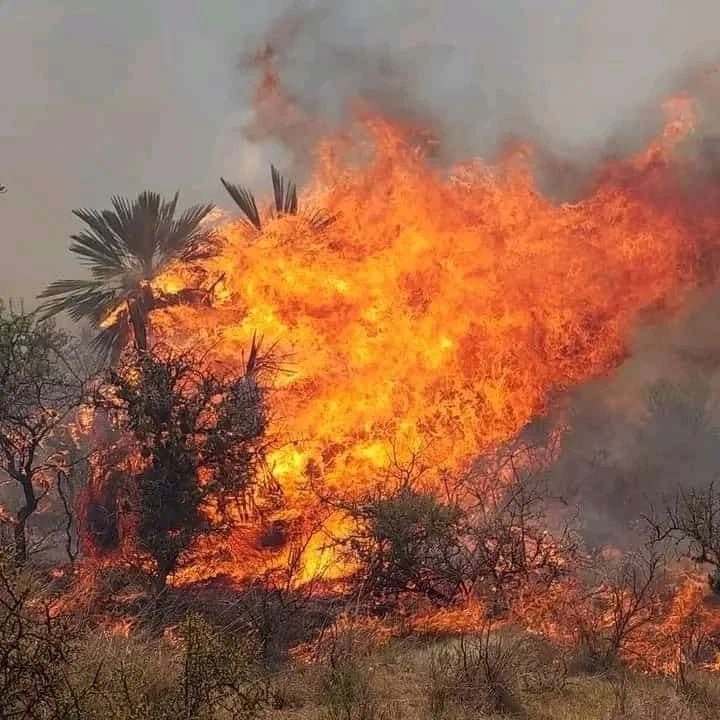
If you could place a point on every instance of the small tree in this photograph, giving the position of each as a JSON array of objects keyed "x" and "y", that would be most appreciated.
[
  {"x": 40, "y": 387},
  {"x": 692, "y": 519},
  {"x": 197, "y": 436}
]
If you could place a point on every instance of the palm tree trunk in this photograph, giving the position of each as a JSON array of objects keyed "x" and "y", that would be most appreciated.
[{"x": 139, "y": 323}]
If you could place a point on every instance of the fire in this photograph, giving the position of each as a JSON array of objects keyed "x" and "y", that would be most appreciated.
[{"x": 441, "y": 311}]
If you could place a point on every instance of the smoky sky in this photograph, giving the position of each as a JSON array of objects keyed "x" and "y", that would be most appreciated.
[
  {"x": 100, "y": 97},
  {"x": 652, "y": 427}
]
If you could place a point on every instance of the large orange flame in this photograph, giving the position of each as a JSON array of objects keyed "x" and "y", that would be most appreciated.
[{"x": 442, "y": 309}]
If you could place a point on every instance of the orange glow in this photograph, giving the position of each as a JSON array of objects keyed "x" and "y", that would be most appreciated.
[{"x": 442, "y": 310}]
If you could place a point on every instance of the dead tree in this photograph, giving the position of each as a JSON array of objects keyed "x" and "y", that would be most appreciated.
[
  {"x": 621, "y": 601},
  {"x": 692, "y": 520}
]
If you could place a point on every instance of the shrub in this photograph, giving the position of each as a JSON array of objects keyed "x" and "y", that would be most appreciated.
[
  {"x": 209, "y": 674},
  {"x": 487, "y": 536},
  {"x": 37, "y": 651},
  {"x": 407, "y": 542},
  {"x": 480, "y": 675}
]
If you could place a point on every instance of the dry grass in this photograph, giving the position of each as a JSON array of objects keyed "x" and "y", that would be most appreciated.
[
  {"x": 359, "y": 674},
  {"x": 398, "y": 680}
]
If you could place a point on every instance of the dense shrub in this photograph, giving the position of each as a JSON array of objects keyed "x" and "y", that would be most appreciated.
[{"x": 485, "y": 536}]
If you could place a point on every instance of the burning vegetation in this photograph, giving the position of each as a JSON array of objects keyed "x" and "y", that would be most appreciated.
[{"x": 368, "y": 463}]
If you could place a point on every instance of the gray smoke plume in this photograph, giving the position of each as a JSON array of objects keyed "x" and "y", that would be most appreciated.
[
  {"x": 102, "y": 97},
  {"x": 649, "y": 429}
]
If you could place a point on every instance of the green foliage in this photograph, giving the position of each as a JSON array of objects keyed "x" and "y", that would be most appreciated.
[
  {"x": 125, "y": 249},
  {"x": 199, "y": 436},
  {"x": 489, "y": 539},
  {"x": 407, "y": 542}
]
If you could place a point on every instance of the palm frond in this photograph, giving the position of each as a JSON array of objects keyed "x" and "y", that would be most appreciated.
[
  {"x": 61, "y": 287},
  {"x": 250, "y": 365},
  {"x": 186, "y": 238},
  {"x": 141, "y": 222},
  {"x": 245, "y": 201},
  {"x": 285, "y": 199},
  {"x": 102, "y": 244},
  {"x": 285, "y": 193},
  {"x": 320, "y": 221},
  {"x": 110, "y": 341},
  {"x": 81, "y": 299}
]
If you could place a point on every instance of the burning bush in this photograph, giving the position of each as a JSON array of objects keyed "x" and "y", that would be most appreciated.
[
  {"x": 488, "y": 539},
  {"x": 619, "y": 609},
  {"x": 195, "y": 454},
  {"x": 692, "y": 519}
]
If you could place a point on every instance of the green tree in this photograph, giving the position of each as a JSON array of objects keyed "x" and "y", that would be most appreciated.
[
  {"x": 199, "y": 437},
  {"x": 40, "y": 386},
  {"x": 126, "y": 248}
]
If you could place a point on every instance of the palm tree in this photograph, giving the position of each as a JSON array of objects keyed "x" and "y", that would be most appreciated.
[
  {"x": 125, "y": 249},
  {"x": 286, "y": 202}
]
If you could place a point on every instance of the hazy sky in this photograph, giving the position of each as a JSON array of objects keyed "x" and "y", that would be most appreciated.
[{"x": 101, "y": 97}]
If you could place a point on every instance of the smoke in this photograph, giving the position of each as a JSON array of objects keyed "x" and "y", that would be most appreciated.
[
  {"x": 584, "y": 81},
  {"x": 102, "y": 98},
  {"x": 653, "y": 427}
]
